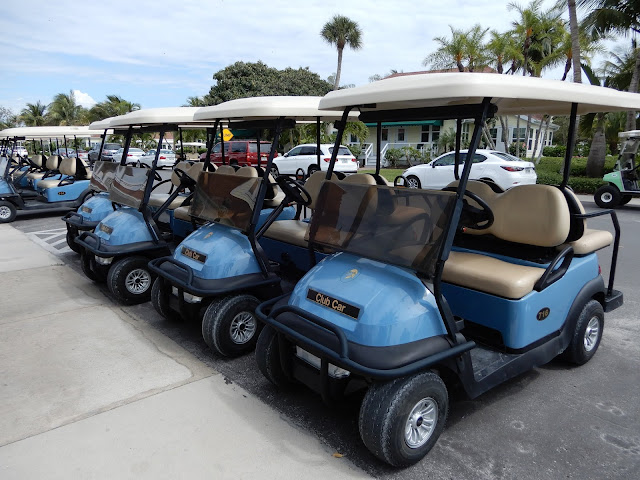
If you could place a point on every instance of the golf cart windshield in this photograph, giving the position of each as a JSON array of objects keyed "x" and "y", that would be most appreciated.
[
  {"x": 102, "y": 177},
  {"x": 394, "y": 225},
  {"x": 226, "y": 199},
  {"x": 3, "y": 166},
  {"x": 128, "y": 186},
  {"x": 628, "y": 153}
]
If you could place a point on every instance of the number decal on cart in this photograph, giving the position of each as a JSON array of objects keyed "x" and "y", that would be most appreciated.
[{"x": 544, "y": 313}]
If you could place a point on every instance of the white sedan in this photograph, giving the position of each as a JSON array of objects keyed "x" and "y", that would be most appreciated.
[
  {"x": 133, "y": 155},
  {"x": 166, "y": 159},
  {"x": 305, "y": 157},
  {"x": 503, "y": 169}
]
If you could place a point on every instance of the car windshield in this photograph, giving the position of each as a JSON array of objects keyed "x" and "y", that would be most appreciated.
[
  {"x": 112, "y": 146},
  {"x": 128, "y": 186},
  {"x": 506, "y": 156},
  {"x": 341, "y": 151},
  {"x": 166, "y": 152},
  {"x": 225, "y": 199},
  {"x": 360, "y": 219}
]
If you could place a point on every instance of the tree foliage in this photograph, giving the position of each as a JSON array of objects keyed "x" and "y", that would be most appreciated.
[
  {"x": 244, "y": 79},
  {"x": 34, "y": 114},
  {"x": 341, "y": 32},
  {"x": 113, "y": 106},
  {"x": 64, "y": 110}
]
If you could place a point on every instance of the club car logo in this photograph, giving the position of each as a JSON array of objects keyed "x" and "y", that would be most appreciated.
[
  {"x": 542, "y": 314},
  {"x": 333, "y": 303},
  {"x": 208, "y": 235},
  {"x": 62, "y": 193},
  {"x": 349, "y": 275}
]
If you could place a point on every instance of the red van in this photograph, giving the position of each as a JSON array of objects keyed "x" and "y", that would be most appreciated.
[{"x": 240, "y": 152}]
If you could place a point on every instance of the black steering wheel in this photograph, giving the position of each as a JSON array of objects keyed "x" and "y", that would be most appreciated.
[
  {"x": 471, "y": 216},
  {"x": 184, "y": 177},
  {"x": 294, "y": 190},
  {"x": 156, "y": 175}
]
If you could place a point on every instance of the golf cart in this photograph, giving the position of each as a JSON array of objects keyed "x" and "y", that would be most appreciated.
[
  {"x": 64, "y": 186},
  {"x": 125, "y": 240},
  {"x": 197, "y": 281},
  {"x": 435, "y": 288},
  {"x": 623, "y": 181}
]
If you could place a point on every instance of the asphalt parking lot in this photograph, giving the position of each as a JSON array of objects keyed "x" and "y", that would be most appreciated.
[{"x": 557, "y": 421}]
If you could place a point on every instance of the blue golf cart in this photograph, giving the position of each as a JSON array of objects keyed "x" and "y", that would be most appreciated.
[{"x": 429, "y": 289}]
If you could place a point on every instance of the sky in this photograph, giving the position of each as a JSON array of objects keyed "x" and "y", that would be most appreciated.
[{"x": 158, "y": 53}]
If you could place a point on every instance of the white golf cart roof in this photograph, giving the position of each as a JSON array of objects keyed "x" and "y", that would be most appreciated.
[
  {"x": 511, "y": 94},
  {"x": 50, "y": 132},
  {"x": 103, "y": 124},
  {"x": 182, "y": 116},
  {"x": 629, "y": 134},
  {"x": 301, "y": 109}
]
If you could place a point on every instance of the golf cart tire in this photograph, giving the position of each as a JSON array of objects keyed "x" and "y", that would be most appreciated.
[
  {"x": 87, "y": 264},
  {"x": 268, "y": 357},
  {"x": 413, "y": 180},
  {"x": 117, "y": 280},
  {"x": 386, "y": 410},
  {"x": 161, "y": 303},
  {"x": 71, "y": 242},
  {"x": 8, "y": 211},
  {"x": 607, "y": 196},
  {"x": 275, "y": 173},
  {"x": 577, "y": 352},
  {"x": 227, "y": 312}
]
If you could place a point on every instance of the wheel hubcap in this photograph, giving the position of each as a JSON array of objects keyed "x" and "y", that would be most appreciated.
[
  {"x": 5, "y": 212},
  {"x": 606, "y": 197},
  {"x": 412, "y": 183},
  {"x": 138, "y": 281},
  {"x": 421, "y": 423},
  {"x": 591, "y": 334},
  {"x": 243, "y": 327}
]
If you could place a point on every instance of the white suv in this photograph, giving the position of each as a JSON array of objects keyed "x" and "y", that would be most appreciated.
[{"x": 305, "y": 157}]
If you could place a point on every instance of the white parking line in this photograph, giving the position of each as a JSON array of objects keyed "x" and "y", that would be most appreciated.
[{"x": 48, "y": 239}]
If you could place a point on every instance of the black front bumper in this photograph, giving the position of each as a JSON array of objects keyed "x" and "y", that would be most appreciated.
[
  {"x": 78, "y": 222},
  {"x": 92, "y": 243}
]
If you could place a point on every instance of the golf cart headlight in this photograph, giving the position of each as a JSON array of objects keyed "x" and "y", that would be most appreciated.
[
  {"x": 187, "y": 296},
  {"x": 334, "y": 372},
  {"x": 104, "y": 260}
]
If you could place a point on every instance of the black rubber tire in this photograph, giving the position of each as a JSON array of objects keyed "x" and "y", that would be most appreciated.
[
  {"x": 312, "y": 169},
  {"x": 386, "y": 408},
  {"x": 71, "y": 242},
  {"x": 275, "y": 173},
  {"x": 116, "y": 280},
  {"x": 161, "y": 302},
  {"x": 93, "y": 272},
  {"x": 218, "y": 319},
  {"x": 416, "y": 180},
  {"x": 268, "y": 357},
  {"x": 625, "y": 199},
  {"x": 576, "y": 352},
  {"x": 10, "y": 211},
  {"x": 611, "y": 194}
]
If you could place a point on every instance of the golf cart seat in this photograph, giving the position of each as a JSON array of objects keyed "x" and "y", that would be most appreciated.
[
  {"x": 158, "y": 199},
  {"x": 52, "y": 164},
  {"x": 530, "y": 215},
  {"x": 296, "y": 232},
  {"x": 583, "y": 240},
  {"x": 74, "y": 168}
]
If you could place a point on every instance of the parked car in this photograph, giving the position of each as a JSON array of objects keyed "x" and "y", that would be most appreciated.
[
  {"x": 133, "y": 155},
  {"x": 64, "y": 152},
  {"x": 305, "y": 157},
  {"x": 82, "y": 154},
  {"x": 19, "y": 150},
  {"x": 242, "y": 152},
  {"x": 503, "y": 169},
  {"x": 107, "y": 152},
  {"x": 166, "y": 159}
]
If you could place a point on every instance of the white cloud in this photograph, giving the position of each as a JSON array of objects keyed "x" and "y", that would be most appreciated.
[{"x": 84, "y": 99}]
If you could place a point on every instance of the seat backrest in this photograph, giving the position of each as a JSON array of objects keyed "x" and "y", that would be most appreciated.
[
  {"x": 37, "y": 160},
  {"x": 359, "y": 179},
  {"x": 313, "y": 185},
  {"x": 578, "y": 225},
  {"x": 184, "y": 166},
  {"x": 195, "y": 169},
  {"x": 481, "y": 189},
  {"x": 250, "y": 172},
  {"x": 53, "y": 162},
  {"x": 67, "y": 166},
  {"x": 226, "y": 170}
]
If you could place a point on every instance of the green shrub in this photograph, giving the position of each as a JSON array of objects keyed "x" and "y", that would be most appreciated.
[
  {"x": 355, "y": 149},
  {"x": 554, "y": 151},
  {"x": 202, "y": 150},
  {"x": 523, "y": 149},
  {"x": 393, "y": 156}
]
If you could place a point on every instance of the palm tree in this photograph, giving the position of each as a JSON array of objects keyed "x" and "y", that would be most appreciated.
[
  {"x": 575, "y": 42},
  {"x": 617, "y": 16},
  {"x": 464, "y": 51},
  {"x": 113, "y": 106},
  {"x": 34, "y": 114},
  {"x": 64, "y": 110},
  {"x": 341, "y": 32},
  {"x": 195, "y": 102}
]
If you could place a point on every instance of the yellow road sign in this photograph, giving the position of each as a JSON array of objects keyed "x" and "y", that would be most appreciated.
[{"x": 227, "y": 135}]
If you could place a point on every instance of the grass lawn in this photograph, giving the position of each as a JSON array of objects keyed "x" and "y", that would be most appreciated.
[{"x": 548, "y": 171}]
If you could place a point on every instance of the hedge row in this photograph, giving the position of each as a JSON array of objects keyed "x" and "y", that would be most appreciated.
[{"x": 549, "y": 169}]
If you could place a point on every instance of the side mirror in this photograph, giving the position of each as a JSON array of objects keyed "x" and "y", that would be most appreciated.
[{"x": 433, "y": 165}]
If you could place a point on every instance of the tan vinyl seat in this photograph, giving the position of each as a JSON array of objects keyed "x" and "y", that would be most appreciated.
[
  {"x": 52, "y": 163},
  {"x": 590, "y": 240},
  {"x": 158, "y": 199},
  {"x": 67, "y": 167}
]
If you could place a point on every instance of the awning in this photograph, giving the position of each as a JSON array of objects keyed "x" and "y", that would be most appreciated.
[{"x": 407, "y": 124}]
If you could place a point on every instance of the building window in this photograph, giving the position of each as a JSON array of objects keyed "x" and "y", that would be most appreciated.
[
  {"x": 424, "y": 134},
  {"x": 435, "y": 133},
  {"x": 494, "y": 135},
  {"x": 385, "y": 134},
  {"x": 401, "y": 135},
  {"x": 353, "y": 138},
  {"x": 464, "y": 138},
  {"x": 522, "y": 134}
]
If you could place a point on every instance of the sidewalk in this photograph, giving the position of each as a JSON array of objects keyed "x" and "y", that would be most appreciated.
[{"x": 88, "y": 391}]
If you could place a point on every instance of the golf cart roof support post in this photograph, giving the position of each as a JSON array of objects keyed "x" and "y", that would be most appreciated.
[
  {"x": 258, "y": 138},
  {"x": 456, "y": 174},
  {"x": 211, "y": 133},
  {"x": 318, "y": 141},
  {"x": 102, "y": 142},
  {"x": 181, "y": 144},
  {"x": 261, "y": 257},
  {"x": 127, "y": 143},
  {"x": 66, "y": 149},
  {"x": 378, "y": 147},
  {"x": 152, "y": 170},
  {"x": 571, "y": 140},
  {"x": 224, "y": 159},
  {"x": 452, "y": 225},
  {"x": 336, "y": 144},
  {"x": 57, "y": 146}
]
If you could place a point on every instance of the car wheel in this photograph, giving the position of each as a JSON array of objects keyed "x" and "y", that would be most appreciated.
[
  {"x": 130, "y": 280},
  {"x": 8, "y": 212},
  {"x": 268, "y": 357},
  {"x": 586, "y": 334},
  {"x": 230, "y": 326},
  {"x": 413, "y": 182},
  {"x": 401, "y": 420},
  {"x": 160, "y": 301},
  {"x": 607, "y": 196},
  {"x": 274, "y": 171},
  {"x": 71, "y": 241},
  {"x": 313, "y": 169}
]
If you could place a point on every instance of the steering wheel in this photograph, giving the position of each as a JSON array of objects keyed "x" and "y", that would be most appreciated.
[
  {"x": 156, "y": 175},
  {"x": 294, "y": 190},
  {"x": 396, "y": 181},
  {"x": 184, "y": 177},
  {"x": 474, "y": 215}
]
